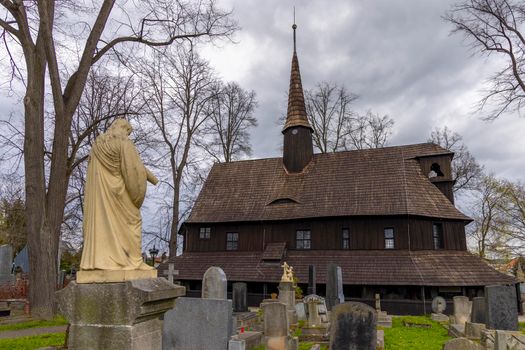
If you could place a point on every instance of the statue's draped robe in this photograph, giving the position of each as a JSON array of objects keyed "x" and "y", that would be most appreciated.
[{"x": 115, "y": 189}]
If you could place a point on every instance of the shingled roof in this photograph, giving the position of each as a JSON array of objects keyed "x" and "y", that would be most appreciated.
[
  {"x": 373, "y": 267},
  {"x": 383, "y": 181}
]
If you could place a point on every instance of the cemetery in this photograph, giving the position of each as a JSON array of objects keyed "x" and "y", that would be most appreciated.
[{"x": 338, "y": 241}]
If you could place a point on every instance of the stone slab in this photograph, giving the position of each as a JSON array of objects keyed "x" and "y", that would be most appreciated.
[
  {"x": 196, "y": 323},
  {"x": 439, "y": 317},
  {"x": 251, "y": 339},
  {"x": 236, "y": 344},
  {"x": 462, "y": 344},
  {"x": 111, "y": 276},
  {"x": 473, "y": 330},
  {"x": 456, "y": 330},
  {"x": 125, "y": 315},
  {"x": 501, "y": 307},
  {"x": 384, "y": 321},
  {"x": 462, "y": 309},
  {"x": 380, "y": 339}
]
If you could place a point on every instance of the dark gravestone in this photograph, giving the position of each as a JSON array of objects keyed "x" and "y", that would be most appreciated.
[
  {"x": 501, "y": 307},
  {"x": 311, "y": 280},
  {"x": 353, "y": 327},
  {"x": 239, "y": 295},
  {"x": 334, "y": 286},
  {"x": 479, "y": 310}
]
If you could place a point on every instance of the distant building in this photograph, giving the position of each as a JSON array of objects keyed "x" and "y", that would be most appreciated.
[{"x": 386, "y": 216}]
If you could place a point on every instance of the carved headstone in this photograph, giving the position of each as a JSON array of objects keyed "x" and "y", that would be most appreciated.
[
  {"x": 353, "y": 327},
  {"x": 214, "y": 284},
  {"x": 501, "y": 307},
  {"x": 311, "y": 279},
  {"x": 334, "y": 286},
  {"x": 462, "y": 309},
  {"x": 439, "y": 305},
  {"x": 239, "y": 297},
  {"x": 479, "y": 313}
]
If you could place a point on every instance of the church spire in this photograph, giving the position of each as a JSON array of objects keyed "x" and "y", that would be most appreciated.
[
  {"x": 296, "y": 115},
  {"x": 298, "y": 146}
]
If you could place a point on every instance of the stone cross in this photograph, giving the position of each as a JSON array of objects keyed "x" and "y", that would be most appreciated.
[
  {"x": 170, "y": 272},
  {"x": 214, "y": 284}
]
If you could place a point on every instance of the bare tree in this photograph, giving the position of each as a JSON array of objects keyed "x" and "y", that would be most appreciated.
[
  {"x": 466, "y": 171},
  {"x": 38, "y": 28},
  {"x": 329, "y": 114},
  {"x": 494, "y": 27},
  {"x": 514, "y": 211},
  {"x": 370, "y": 131},
  {"x": 489, "y": 230},
  {"x": 231, "y": 118},
  {"x": 178, "y": 93}
]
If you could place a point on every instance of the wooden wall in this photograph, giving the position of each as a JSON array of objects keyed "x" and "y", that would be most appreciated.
[
  {"x": 365, "y": 233},
  {"x": 297, "y": 148}
]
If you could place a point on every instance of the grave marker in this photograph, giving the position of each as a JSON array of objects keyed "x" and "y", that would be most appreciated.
[
  {"x": 214, "y": 284},
  {"x": 353, "y": 327},
  {"x": 170, "y": 272}
]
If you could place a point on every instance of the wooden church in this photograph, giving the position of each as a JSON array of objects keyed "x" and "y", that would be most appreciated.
[{"x": 386, "y": 216}]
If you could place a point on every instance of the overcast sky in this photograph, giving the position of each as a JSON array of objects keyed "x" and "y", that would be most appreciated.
[{"x": 398, "y": 56}]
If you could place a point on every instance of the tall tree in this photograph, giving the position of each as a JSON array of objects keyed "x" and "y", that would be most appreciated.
[
  {"x": 231, "y": 118},
  {"x": 39, "y": 27},
  {"x": 178, "y": 92},
  {"x": 466, "y": 171},
  {"x": 495, "y": 27},
  {"x": 370, "y": 131}
]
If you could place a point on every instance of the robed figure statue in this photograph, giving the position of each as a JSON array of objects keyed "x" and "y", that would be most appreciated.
[{"x": 115, "y": 189}]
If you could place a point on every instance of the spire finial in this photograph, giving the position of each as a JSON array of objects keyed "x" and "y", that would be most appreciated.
[{"x": 294, "y": 27}]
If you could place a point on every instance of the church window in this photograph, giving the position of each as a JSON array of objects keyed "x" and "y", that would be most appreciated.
[
  {"x": 389, "y": 238},
  {"x": 302, "y": 240},
  {"x": 204, "y": 232},
  {"x": 346, "y": 238},
  {"x": 232, "y": 241},
  {"x": 437, "y": 234}
]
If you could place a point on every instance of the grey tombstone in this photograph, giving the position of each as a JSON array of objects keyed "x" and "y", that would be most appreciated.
[
  {"x": 312, "y": 279},
  {"x": 111, "y": 316},
  {"x": 353, "y": 327},
  {"x": 300, "y": 310},
  {"x": 171, "y": 272},
  {"x": 236, "y": 344},
  {"x": 6, "y": 263},
  {"x": 334, "y": 286},
  {"x": 313, "y": 303},
  {"x": 287, "y": 297},
  {"x": 198, "y": 324},
  {"x": 22, "y": 260},
  {"x": 462, "y": 309},
  {"x": 479, "y": 313},
  {"x": 439, "y": 305},
  {"x": 239, "y": 297},
  {"x": 275, "y": 326},
  {"x": 501, "y": 307},
  {"x": 378, "y": 302},
  {"x": 214, "y": 284},
  {"x": 461, "y": 344}
]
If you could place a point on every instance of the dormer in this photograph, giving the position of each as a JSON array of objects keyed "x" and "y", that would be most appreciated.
[{"x": 438, "y": 169}]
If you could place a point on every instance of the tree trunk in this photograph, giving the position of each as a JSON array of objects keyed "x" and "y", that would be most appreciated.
[{"x": 42, "y": 255}]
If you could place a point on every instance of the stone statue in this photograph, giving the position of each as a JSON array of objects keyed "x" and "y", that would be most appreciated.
[
  {"x": 287, "y": 273},
  {"x": 115, "y": 189}
]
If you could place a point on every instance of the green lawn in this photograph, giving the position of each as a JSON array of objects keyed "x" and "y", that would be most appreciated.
[
  {"x": 400, "y": 337},
  {"x": 522, "y": 327},
  {"x": 34, "y": 342},
  {"x": 57, "y": 321}
]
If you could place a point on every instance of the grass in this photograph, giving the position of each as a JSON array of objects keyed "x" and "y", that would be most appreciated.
[
  {"x": 34, "y": 342},
  {"x": 57, "y": 321},
  {"x": 400, "y": 337},
  {"x": 522, "y": 327}
]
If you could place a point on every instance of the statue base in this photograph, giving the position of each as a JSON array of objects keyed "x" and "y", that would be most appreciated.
[
  {"x": 125, "y": 315},
  {"x": 109, "y": 276}
]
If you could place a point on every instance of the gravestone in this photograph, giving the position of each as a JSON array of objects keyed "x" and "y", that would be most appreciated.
[
  {"x": 334, "y": 286},
  {"x": 501, "y": 307},
  {"x": 313, "y": 303},
  {"x": 6, "y": 263},
  {"x": 312, "y": 280},
  {"x": 479, "y": 314},
  {"x": 300, "y": 310},
  {"x": 353, "y": 327},
  {"x": 198, "y": 324},
  {"x": 214, "y": 284},
  {"x": 439, "y": 305},
  {"x": 462, "y": 309},
  {"x": 22, "y": 260},
  {"x": 473, "y": 330},
  {"x": 378, "y": 302},
  {"x": 239, "y": 297},
  {"x": 287, "y": 297},
  {"x": 171, "y": 272},
  {"x": 275, "y": 326},
  {"x": 114, "y": 316},
  {"x": 461, "y": 344}
]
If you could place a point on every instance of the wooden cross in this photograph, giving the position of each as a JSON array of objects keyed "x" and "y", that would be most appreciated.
[{"x": 170, "y": 272}]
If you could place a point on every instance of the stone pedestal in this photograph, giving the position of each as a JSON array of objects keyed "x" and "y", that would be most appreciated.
[
  {"x": 287, "y": 297},
  {"x": 123, "y": 315}
]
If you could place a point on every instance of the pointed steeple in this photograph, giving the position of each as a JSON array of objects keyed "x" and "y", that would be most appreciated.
[
  {"x": 296, "y": 115},
  {"x": 298, "y": 147}
]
